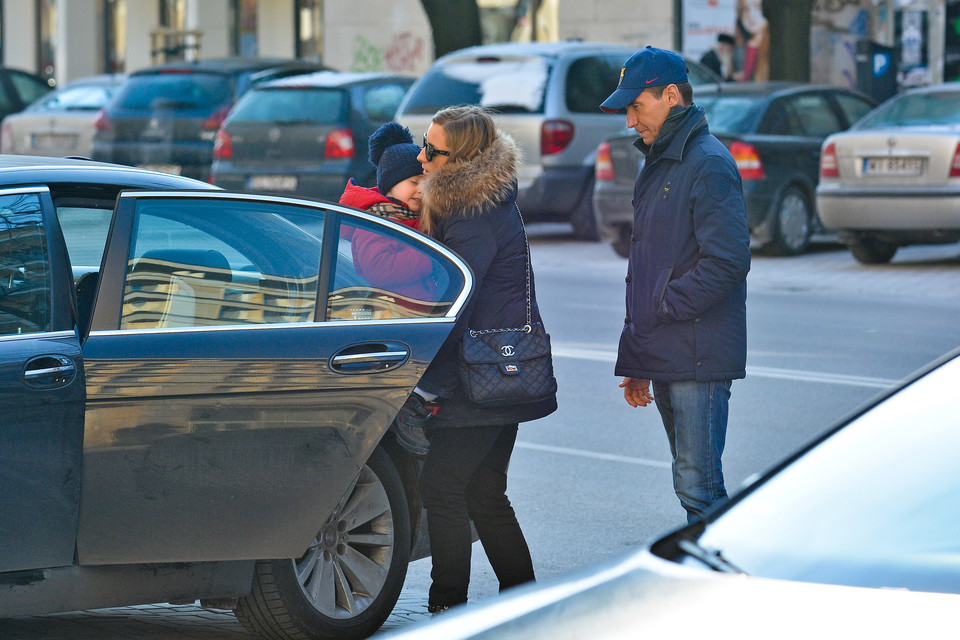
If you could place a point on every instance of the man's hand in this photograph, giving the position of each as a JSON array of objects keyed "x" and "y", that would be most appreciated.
[{"x": 636, "y": 392}]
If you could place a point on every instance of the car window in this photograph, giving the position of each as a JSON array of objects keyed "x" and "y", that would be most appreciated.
[
  {"x": 380, "y": 102},
  {"x": 502, "y": 84},
  {"x": 85, "y": 232},
  {"x": 780, "y": 120},
  {"x": 28, "y": 87},
  {"x": 936, "y": 107},
  {"x": 175, "y": 90},
  {"x": 82, "y": 98},
  {"x": 873, "y": 505},
  {"x": 853, "y": 107},
  {"x": 217, "y": 262},
  {"x": 816, "y": 117},
  {"x": 290, "y": 106},
  {"x": 381, "y": 274},
  {"x": 729, "y": 114},
  {"x": 24, "y": 266},
  {"x": 589, "y": 82}
]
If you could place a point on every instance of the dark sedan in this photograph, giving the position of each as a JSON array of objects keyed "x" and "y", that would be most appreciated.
[
  {"x": 165, "y": 118},
  {"x": 197, "y": 388},
  {"x": 854, "y": 536},
  {"x": 774, "y": 132},
  {"x": 307, "y": 134}
]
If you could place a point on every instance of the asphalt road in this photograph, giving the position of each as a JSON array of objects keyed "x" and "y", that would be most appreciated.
[{"x": 592, "y": 481}]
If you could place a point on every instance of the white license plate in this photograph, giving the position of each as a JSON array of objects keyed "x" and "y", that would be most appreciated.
[
  {"x": 175, "y": 169},
  {"x": 52, "y": 141},
  {"x": 892, "y": 166},
  {"x": 272, "y": 183}
]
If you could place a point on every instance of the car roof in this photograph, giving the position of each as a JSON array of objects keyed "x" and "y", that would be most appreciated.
[
  {"x": 541, "y": 49},
  {"x": 102, "y": 79},
  {"x": 220, "y": 65},
  {"x": 761, "y": 88},
  {"x": 16, "y": 169},
  {"x": 329, "y": 79}
]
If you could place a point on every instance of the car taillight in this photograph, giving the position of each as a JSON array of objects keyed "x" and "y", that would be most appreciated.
[
  {"x": 6, "y": 139},
  {"x": 222, "y": 146},
  {"x": 604, "y": 168},
  {"x": 216, "y": 118},
  {"x": 828, "y": 162},
  {"x": 555, "y": 136},
  {"x": 339, "y": 144},
  {"x": 955, "y": 165},
  {"x": 102, "y": 122},
  {"x": 748, "y": 161}
]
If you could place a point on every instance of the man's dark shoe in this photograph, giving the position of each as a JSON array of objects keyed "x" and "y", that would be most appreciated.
[{"x": 410, "y": 422}]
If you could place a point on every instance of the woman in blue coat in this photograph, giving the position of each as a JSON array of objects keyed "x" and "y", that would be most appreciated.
[{"x": 469, "y": 204}]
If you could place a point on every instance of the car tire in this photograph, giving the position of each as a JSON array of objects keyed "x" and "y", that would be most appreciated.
[
  {"x": 349, "y": 580},
  {"x": 621, "y": 244},
  {"x": 872, "y": 251},
  {"x": 792, "y": 223},
  {"x": 584, "y": 217}
]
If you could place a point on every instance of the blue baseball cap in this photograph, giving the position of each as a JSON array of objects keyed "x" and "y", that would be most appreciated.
[{"x": 650, "y": 67}]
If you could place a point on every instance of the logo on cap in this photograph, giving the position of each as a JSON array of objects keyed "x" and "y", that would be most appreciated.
[{"x": 622, "y": 71}]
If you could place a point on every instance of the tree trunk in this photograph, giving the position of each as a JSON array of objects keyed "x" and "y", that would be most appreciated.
[
  {"x": 455, "y": 24},
  {"x": 789, "y": 38}
]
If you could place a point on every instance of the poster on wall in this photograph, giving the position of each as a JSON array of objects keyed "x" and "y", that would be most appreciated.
[{"x": 730, "y": 36}]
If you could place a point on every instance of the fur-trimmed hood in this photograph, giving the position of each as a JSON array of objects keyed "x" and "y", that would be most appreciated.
[{"x": 475, "y": 185}]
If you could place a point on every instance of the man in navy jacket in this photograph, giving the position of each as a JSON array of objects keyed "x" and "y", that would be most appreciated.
[{"x": 685, "y": 328}]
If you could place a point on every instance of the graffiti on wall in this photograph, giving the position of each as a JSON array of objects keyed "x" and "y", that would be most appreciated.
[
  {"x": 837, "y": 26},
  {"x": 405, "y": 53}
]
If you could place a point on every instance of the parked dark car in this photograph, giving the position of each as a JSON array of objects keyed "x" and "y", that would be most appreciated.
[
  {"x": 774, "y": 132},
  {"x": 547, "y": 96},
  {"x": 165, "y": 118},
  {"x": 18, "y": 89},
  {"x": 197, "y": 388},
  {"x": 307, "y": 134},
  {"x": 60, "y": 123},
  {"x": 855, "y": 535}
]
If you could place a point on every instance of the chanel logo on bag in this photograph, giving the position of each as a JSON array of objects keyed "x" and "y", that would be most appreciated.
[{"x": 507, "y": 350}]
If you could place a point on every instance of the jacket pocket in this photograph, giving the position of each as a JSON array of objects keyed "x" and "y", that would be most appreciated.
[{"x": 660, "y": 292}]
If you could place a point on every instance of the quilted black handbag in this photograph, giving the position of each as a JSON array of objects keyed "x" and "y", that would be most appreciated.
[{"x": 503, "y": 367}]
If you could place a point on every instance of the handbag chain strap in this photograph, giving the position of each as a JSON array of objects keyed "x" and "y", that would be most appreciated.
[{"x": 527, "y": 328}]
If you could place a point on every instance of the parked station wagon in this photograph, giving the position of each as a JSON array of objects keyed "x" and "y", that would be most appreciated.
[{"x": 197, "y": 388}]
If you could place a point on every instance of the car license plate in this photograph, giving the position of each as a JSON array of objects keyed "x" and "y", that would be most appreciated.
[
  {"x": 175, "y": 169},
  {"x": 272, "y": 183},
  {"x": 892, "y": 166},
  {"x": 52, "y": 141}
]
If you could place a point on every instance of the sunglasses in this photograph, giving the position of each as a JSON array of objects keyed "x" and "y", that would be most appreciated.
[{"x": 431, "y": 151}]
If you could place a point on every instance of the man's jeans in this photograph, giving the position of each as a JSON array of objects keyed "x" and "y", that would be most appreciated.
[{"x": 695, "y": 418}]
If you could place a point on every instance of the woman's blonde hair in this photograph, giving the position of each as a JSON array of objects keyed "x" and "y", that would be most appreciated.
[{"x": 470, "y": 130}]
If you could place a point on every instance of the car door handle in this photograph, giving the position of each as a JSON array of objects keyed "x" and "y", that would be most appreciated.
[
  {"x": 49, "y": 372},
  {"x": 370, "y": 357}
]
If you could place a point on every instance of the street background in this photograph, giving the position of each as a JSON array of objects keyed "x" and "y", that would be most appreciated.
[{"x": 592, "y": 481}]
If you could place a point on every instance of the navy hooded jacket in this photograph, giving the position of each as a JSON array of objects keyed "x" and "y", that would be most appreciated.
[{"x": 689, "y": 258}]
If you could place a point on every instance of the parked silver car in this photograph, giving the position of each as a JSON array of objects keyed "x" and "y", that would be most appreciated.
[
  {"x": 547, "y": 96},
  {"x": 60, "y": 123},
  {"x": 893, "y": 179}
]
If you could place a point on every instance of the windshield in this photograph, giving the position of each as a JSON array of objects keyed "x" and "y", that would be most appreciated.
[
  {"x": 502, "y": 84},
  {"x": 874, "y": 505},
  {"x": 286, "y": 106},
  {"x": 176, "y": 90},
  {"x": 911, "y": 109},
  {"x": 728, "y": 114}
]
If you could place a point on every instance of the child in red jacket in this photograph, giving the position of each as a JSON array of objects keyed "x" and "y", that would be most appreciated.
[{"x": 386, "y": 263}]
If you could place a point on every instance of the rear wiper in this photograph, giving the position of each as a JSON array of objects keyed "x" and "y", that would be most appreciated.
[{"x": 710, "y": 557}]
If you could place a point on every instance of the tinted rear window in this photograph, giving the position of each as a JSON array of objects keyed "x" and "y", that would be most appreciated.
[
  {"x": 176, "y": 91},
  {"x": 915, "y": 109},
  {"x": 590, "y": 81},
  {"x": 289, "y": 106},
  {"x": 507, "y": 85},
  {"x": 728, "y": 114}
]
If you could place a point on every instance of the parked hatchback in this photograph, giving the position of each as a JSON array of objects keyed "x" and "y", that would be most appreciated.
[
  {"x": 306, "y": 134},
  {"x": 166, "y": 118},
  {"x": 774, "y": 132},
  {"x": 547, "y": 96},
  {"x": 894, "y": 178},
  {"x": 197, "y": 388},
  {"x": 61, "y": 122}
]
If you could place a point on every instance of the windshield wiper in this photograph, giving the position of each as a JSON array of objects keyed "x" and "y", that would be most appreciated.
[{"x": 710, "y": 557}]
